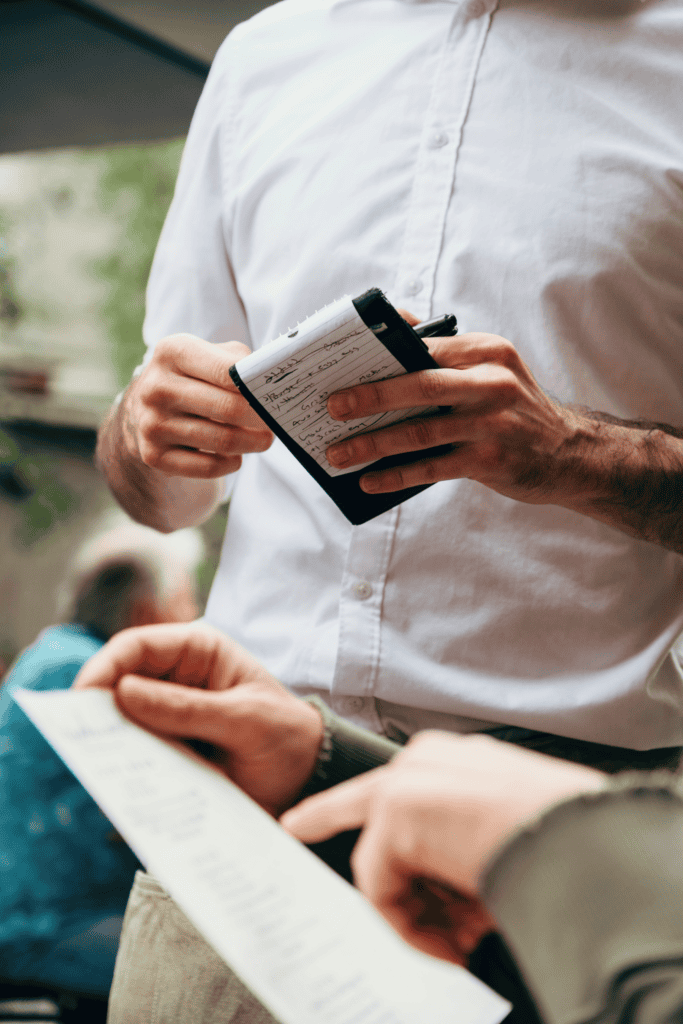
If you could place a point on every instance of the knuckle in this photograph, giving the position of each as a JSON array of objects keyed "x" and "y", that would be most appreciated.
[
  {"x": 420, "y": 433},
  {"x": 150, "y": 455},
  {"x": 154, "y": 391},
  {"x": 370, "y": 396},
  {"x": 158, "y": 394},
  {"x": 181, "y": 701},
  {"x": 506, "y": 388},
  {"x": 226, "y": 405},
  {"x": 265, "y": 441},
  {"x": 219, "y": 375},
  {"x": 430, "y": 471},
  {"x": 506, "y": 353},
  {"x": 151, "y": 429},
  {"x": 433, "y": 384},
  {"x": 168, "y": 349},
  {"x": 397, "y": 479},
  {"x": 364, "y": 448}
]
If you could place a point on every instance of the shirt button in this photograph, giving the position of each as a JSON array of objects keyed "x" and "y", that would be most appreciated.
[
  {"x": 362, "y": 591},
  {"x": 350, "y": 705},
  {"x": 413, "y": 287},
  {"x": 438, "y": 139}
]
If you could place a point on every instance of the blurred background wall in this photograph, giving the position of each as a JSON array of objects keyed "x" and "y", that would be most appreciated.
[{"x": 95, "y": 100}]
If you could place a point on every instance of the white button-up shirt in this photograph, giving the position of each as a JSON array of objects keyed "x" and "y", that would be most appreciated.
[{"x": 518, "y": 164}]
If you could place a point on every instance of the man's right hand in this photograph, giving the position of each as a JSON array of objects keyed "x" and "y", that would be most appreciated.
[
  {"x": 190, "y": 681},
  {"x": 184, "y": 417}
]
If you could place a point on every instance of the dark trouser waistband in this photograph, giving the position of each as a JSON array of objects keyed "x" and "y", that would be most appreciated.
[{"x": 594, "y": 755}]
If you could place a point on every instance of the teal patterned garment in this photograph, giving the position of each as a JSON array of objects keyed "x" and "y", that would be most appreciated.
[{"x": 62, "y": 870}]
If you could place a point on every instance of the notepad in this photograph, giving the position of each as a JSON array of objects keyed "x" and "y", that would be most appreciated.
[
  {"x": 304, "y": 941},
  {"x": 288, "y": 382},
  {"x": 293, "y": 376}
]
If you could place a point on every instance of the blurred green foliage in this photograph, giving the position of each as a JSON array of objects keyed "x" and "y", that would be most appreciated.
[
  {"x": 30, "y": 480},
  {"x": 136, "y": 186}
]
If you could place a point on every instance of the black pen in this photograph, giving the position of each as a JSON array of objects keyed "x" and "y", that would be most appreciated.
[{"x": 440, "y": 327}]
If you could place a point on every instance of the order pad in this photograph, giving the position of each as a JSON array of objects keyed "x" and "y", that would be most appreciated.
[{"x": 288, "y": 382}]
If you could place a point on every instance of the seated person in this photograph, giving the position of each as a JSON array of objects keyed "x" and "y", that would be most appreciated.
[
  {"x": 583, "y": 900},
  {"x": 64, "y": 874}
]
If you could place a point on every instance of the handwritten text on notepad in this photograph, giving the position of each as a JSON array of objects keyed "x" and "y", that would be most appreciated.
[{"x": 293, "y": 376}]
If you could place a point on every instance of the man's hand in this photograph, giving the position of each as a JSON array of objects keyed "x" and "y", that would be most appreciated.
[
  {"x": 179, "y": 426},
  {"x": 191, "y": 681},
  {"x": 183, "y": 414},
  {"x": 505, "y": 432},
  {"x": 432, "y": 820}
]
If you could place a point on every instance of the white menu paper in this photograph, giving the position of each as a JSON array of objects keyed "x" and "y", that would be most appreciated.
[{"x": 304, "y": 941}]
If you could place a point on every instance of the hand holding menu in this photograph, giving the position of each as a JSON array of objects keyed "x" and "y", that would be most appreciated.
[
  {"x": 304, "y": 941},
  {"x": 288, "y": 382}
]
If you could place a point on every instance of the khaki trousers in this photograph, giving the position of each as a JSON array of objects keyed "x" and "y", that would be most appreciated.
[{"x": 167, "y": 974}]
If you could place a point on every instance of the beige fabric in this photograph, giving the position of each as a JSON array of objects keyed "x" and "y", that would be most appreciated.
[{"x": 167, "y": 974}]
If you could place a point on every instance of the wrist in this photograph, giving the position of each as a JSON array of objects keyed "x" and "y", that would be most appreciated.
[
  {"x": 344, "y": 750},
  {"x": 581, "y": 462}
]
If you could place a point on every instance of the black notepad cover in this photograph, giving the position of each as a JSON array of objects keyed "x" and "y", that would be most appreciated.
[{"x": 409, "y": 349}]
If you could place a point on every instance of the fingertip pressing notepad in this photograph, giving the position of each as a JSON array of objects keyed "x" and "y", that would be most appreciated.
[
  {"x": 302, "y": 939},
  {"x": 288, "y": 382}
]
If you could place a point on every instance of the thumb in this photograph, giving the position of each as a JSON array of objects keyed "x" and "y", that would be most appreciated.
[{"x": 175, "y": 710}]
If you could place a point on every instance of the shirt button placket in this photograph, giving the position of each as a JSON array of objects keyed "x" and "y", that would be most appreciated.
[
  {"x": 362, "y": 591},
  {"x": 436, "y": 161},
  {"x": 360, "y": 608}
]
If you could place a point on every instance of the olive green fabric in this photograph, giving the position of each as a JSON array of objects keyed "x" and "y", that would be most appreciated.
[{"x": 590, "y": 902}]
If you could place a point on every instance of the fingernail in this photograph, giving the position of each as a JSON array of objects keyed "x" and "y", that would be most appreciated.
[
  {"x": 341, "y": 405},
  {"x": 370, "y": 484},
  {"x": 338, "y": 455}
]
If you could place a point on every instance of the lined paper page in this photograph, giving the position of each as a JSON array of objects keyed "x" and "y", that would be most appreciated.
[
  {"x": 293, "y": 376},
  {"x": 303, "y": 940}
]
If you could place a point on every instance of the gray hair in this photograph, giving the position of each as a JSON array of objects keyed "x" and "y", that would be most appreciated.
[{"x": 124, "y": 563}]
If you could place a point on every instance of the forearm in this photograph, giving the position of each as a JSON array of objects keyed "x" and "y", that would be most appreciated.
[
  {"x": 149, "y": 496},
  {"x": 588, "y": 900},
  {"x": 628, "y": 474}
]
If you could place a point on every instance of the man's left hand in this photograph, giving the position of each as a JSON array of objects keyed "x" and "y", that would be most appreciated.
[{"x": 504, "y": 430}]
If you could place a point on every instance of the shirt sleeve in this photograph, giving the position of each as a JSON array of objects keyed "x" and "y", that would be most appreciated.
[
  {"x": 590, "y": 902},
  {"x": 192, "y": 287},
  {"x": 346, "y": 751}
]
